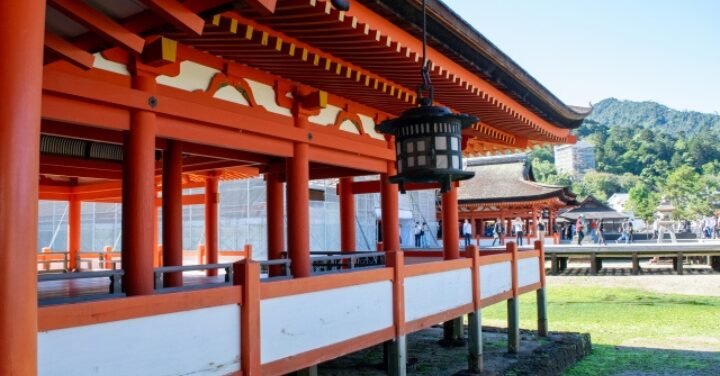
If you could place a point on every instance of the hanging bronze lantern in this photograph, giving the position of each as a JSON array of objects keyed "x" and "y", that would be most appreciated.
[{"x": 428, "y": 138}]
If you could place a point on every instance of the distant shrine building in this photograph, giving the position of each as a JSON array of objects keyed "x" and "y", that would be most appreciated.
[
  {"x": 203, "y": 178},
  {"x": 504, "y": 188}
]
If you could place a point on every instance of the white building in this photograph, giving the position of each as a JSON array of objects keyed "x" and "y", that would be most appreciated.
[
  {"x": 575, "y": 159},
  {"x": 618, "y": 201}
]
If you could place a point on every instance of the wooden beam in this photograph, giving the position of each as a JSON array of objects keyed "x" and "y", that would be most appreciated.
[
  {"x": 100, "y": 23},
  {"x": 68, "y": 51},
  {"x": 266, "y": 7},
  {"x": 178, "y": 15}
]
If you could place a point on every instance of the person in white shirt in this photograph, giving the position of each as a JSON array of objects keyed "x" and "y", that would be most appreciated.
[
  {"x": 517, "y": 225},
  {"x": 467, "y": 232}
]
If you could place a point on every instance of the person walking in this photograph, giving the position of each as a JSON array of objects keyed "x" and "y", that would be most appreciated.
[
  {"x": 498, "y": 231},
  {"x": 580, "y": 228},
  {"x": 518, "y": 230},
  {"x": 467, "y": 232},
  {"x": 600, "y": 233},
  {"x": 624, "y": 232},
  {"x": 424, "y": 230},
  {"x": 416, "y": 232}
]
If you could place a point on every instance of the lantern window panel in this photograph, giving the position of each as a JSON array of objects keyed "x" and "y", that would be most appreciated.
[
  {"x": 440, "y": 143},
  {"x": 441, "y": 161},
  {"x": 411, "y": 162},
  {"x": 409, "y": 147},
  {"x": 455, "y": 162},
  {"x": 454, "y": 144},
  {"x": 421, "y": 161},
  {"x": 420, "y": 146}
]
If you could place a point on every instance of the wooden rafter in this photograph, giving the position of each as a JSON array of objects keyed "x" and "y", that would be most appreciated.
[
  {"x": 177, "y": 14},
  {"x": 68, "y": 51},
  {"x": 100, "y": 23}
]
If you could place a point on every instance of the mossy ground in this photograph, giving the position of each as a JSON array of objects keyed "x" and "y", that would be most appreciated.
[{"x": 634, "y": 332}]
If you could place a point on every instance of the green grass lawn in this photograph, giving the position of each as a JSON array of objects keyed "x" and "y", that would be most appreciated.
[{"x": 631, "y": 330}]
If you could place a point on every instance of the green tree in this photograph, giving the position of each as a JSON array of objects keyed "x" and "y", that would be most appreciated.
[
  {"x": 689, "y": 192},
  {"x": 642, "y": 202}
]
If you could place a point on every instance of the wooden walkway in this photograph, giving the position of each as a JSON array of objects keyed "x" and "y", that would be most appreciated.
[{"x": 678, "y": 252}]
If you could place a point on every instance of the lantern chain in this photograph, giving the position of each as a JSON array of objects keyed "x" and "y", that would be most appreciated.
[{"x": 424, "y": 70}]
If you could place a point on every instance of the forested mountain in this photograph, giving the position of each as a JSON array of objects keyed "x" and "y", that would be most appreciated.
[
  {"x": 651, "y": 152},
  {"x": 624, "y": 113}
]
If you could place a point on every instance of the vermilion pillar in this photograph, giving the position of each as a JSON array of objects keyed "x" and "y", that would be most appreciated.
[
  {"x": 211, "y": 222},
  {"x": 390, "y": 210},
  {"x": 21, "y": 30},
  {"x": 172, "y": 234},
  {"x": 275, "y": 223},
  {"x": 298, "y": 205},
  {"x": 74, "y": 231},
  {"x": 451, "y": 231},
  {"x": 139, "y": 196},
  {"x": 347, "y": 215}
]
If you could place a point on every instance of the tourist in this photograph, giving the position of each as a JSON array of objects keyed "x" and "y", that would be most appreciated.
[
  {"x": 631, "y": 232},
  {"x": 624, "y": 232},
  {"x": 498, "y": 231},
  {"x": 417, "y": 230},
  {"x": 517, "y": 226},
  {"x": 424, "y": 230},
  {"x": 467, "y": 232},
  {"x": 593, "y": 231},
  {"x": 580, "y": 228},
  {"x": 600, "y": 233},
  {"x": 654, "y": 229}
]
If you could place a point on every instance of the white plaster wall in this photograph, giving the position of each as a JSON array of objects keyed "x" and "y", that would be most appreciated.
[
  {"x": 102, "y": 63},
  {"x": 495, "y": 279},
  {"x": 193, "y": 76},
  {"x": 528, "y": 271},
  {"x": 326, "y": 117},
  {"x": 265, "y": 96},
  {"x": 198, "y": 342},
  {"x": 429, "y": 294},
  {"x": 292, "y": 325},
  {"x": 369, "y": 127}
]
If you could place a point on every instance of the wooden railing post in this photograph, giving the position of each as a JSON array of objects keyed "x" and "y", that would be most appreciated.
[
  {"x": 513, "y": 306},
  {"x": 108, "y": 257},
  {"x": 396, "y": 349},
  {"x": 201, "y": 254},
  {"x": 541, "y": 294},
  {"x": 246, "y": 274},
  {"x": 475, "y": 349},
  {"x": 45, "y": 258},
  {"x": 247, "y": 251}
]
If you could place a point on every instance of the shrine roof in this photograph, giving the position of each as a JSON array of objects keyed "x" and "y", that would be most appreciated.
[
  {"x": 592, "y": 208},
  {"x": 507, "y": 178}
]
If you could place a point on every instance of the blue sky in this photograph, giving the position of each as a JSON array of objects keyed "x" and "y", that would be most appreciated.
[{"x": 583, "y": 51}]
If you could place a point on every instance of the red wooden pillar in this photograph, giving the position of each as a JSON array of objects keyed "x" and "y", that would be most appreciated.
[
  {"x": 275, "y": 223},
  {"x": 451, "y": 231},
  {"x": 74, "y": 231},
  {"x": 347, "y": 215},
  {"x": 535, "y": 222},
  {"x": 20, "y": 93},
  {"x": 139, "y": 196},
  {"x": 298, "y": 204},
  {"x": 172, "y": 231},
  {"x": 390, "y": 211},
  {"x": 212, "y": 198}
]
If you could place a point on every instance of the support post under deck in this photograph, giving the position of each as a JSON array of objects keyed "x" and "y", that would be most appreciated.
[{"x": 475, "y": 346}]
